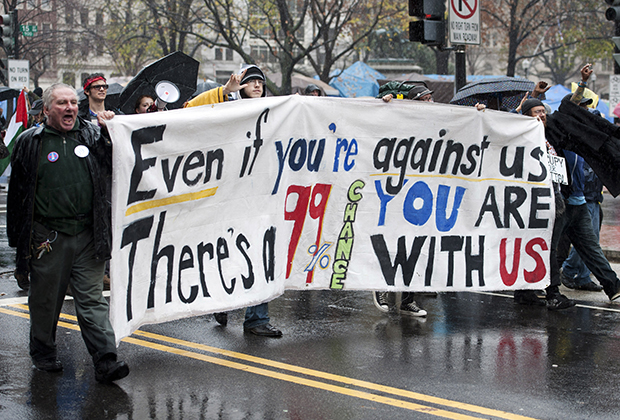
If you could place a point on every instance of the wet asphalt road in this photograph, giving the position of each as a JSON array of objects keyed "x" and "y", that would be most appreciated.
[{"x": 475, "y": 356}]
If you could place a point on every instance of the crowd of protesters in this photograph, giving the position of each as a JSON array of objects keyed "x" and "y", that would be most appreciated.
[{"x": 63, "y": 239}]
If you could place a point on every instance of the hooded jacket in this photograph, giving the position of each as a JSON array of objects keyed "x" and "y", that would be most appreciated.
[{"x": 22, "y": 185}]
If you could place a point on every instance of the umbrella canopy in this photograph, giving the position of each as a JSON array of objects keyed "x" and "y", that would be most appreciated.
[
  {"x": 357, "y": 81},
  {"x": 111, "y": 99},
  {"x": 8, "y": 93},
  {"x": 178, "y": 68},
  {"x": 299, "y": 83},
  {"x": 507, "y": 90}
]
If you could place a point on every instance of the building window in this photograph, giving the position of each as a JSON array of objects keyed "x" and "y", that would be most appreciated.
[
  {"x": 83, "y": 77},
  {"x": 68, "y": 16},
  {"x": 222, "y": 76},
  {"x": 84, "y": 17},
  {"x": 32, "y": 4},
  {"x": 99, "y": 18},
  {"x": 68, "y": 79},
  {"x": 229, "y": 54},
  {"x": 218, "y": 54},
  {"x": 261, "y": 54},
  {"x": 46, "y": 28},
  {"x": 68, "y": 46},
  {"x": 84, "y": 47}
]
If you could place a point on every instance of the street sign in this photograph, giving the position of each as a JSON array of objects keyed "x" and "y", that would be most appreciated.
[
  {"x": 28, "y": 30},
  {"x": 464, "y": 22},
  {"x": 19, "y": 73},
  {"x": 614, "y": 91}
]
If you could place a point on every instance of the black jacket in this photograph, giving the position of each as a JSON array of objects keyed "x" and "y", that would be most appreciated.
[
  {"x": 591, "y": 137},
  {"x": 20, "y": 200}
]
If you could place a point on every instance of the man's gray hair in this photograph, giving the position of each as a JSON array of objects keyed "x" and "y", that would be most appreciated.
[{"x": 47, "y": 94}]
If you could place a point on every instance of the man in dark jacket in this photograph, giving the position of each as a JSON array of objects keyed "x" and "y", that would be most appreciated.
[{"x": 58, "y": 217}]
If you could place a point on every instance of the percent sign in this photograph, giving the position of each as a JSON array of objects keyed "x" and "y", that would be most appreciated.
[{"x": 319, "y": 256}]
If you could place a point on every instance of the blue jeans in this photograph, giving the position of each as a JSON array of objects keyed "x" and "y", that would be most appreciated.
[
  {"x": 573, "y": 266},
  {"x": 577, "y": 224},
  {"x": 256, "y": 316}
]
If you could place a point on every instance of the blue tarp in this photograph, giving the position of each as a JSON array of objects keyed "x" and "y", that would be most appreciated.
[
  {"x": 557, "y": 92},
  {"x": 358, "y": 80}
]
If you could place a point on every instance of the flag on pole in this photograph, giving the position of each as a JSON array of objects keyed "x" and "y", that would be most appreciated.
[{"x": 18, "y": 123}]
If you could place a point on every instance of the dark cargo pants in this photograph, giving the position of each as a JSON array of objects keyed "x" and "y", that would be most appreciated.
[{"x": 70, "y": 262}]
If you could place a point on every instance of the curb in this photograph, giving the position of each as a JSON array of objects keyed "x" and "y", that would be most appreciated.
[{"x": 612, "y": 255}]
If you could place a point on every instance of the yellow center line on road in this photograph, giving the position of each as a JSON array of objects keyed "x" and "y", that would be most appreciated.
[{"x": 448, "y": 404}]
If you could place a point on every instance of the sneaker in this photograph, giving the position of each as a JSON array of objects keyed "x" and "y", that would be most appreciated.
[
  {"x": 590, "y": 287},
  {"x": 110, "y": 370},
  {"x": 221, "y": 318},
  {"x": 567, "y": 281},
  {"x": 265, "y": 330},
  {"x": 48, "y": 365},
  {"x": 615, "y": 294},
  {"x": 412, "y": 309},
  {"x": 528, "y": 297},
  {"x": 560, "y": 302},
  {"x": 380, "y": 300}
]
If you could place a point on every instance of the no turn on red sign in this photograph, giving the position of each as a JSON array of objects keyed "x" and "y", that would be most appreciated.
[{"x": 464, "y": 22}]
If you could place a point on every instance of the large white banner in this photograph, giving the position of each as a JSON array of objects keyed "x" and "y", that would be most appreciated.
[{"x": 226, "y": 206}]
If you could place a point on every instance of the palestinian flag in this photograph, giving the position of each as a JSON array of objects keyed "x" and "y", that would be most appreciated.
[{"x": 19, "y": 122}]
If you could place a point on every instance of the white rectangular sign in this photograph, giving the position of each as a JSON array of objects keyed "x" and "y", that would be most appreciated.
[
  {"x": 614, "y": 92},
  {"x": 19, "y": 73},
  {"x": 226, "y": 206},
  {"x": 464, "y": 22}
]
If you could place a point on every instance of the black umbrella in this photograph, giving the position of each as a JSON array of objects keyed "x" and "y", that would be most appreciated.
[
  {"x": 177, "y": 68},
  {"x": 507, "y": 90},
  {"x": 111, "y": 99},
  {"x": 8, "y": 93}
]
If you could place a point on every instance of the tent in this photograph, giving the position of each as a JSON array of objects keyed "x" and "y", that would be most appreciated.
[
  {"x": 557, "y": 92},
  {"x": 357, "y": 81}
]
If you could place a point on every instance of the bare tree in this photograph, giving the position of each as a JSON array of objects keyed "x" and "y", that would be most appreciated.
[{"x": 534, "y": 28}]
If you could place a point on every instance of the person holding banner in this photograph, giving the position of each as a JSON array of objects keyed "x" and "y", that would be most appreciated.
[
  {"x": 575, "y": 220},
  {"x": 408, "y": 305},
  {"x": 249, "y": 83},
  {"x": 58, "y": 218}
]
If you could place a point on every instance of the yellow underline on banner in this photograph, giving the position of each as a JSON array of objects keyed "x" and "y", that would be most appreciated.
[
  {"x": 512, "y": 181},
  {"x": 449, "y": 404},
  {"x": 170, "y": 200}
]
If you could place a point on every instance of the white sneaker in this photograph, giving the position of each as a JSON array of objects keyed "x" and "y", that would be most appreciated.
[
  {"x": 412, "y": 309},
  {"x": 381, "y": 301}
]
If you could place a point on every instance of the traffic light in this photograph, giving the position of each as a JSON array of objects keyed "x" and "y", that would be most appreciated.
[
  {"x": 429, "y": 26},
  {"x": 4, "y": 75},
  {"x": 7, "y": 30},
  {"x": 613, "y": 12}
]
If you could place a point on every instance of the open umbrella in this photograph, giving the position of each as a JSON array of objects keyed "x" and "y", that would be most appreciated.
[
  {"x": 111, "y": 99},
  {"x": 507, "y": 90},
  {"x": 8, "y": 93},
  {"x": 177, "y": 68}
]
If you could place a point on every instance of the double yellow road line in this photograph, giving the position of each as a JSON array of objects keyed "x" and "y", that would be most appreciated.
[{"x": 343, "y": 385}]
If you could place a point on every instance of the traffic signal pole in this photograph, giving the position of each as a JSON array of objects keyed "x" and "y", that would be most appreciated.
[{"x": 460, "y": 67}]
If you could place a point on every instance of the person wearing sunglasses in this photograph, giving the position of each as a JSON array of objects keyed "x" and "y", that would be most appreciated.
[{"x": 96, "y": 89}]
